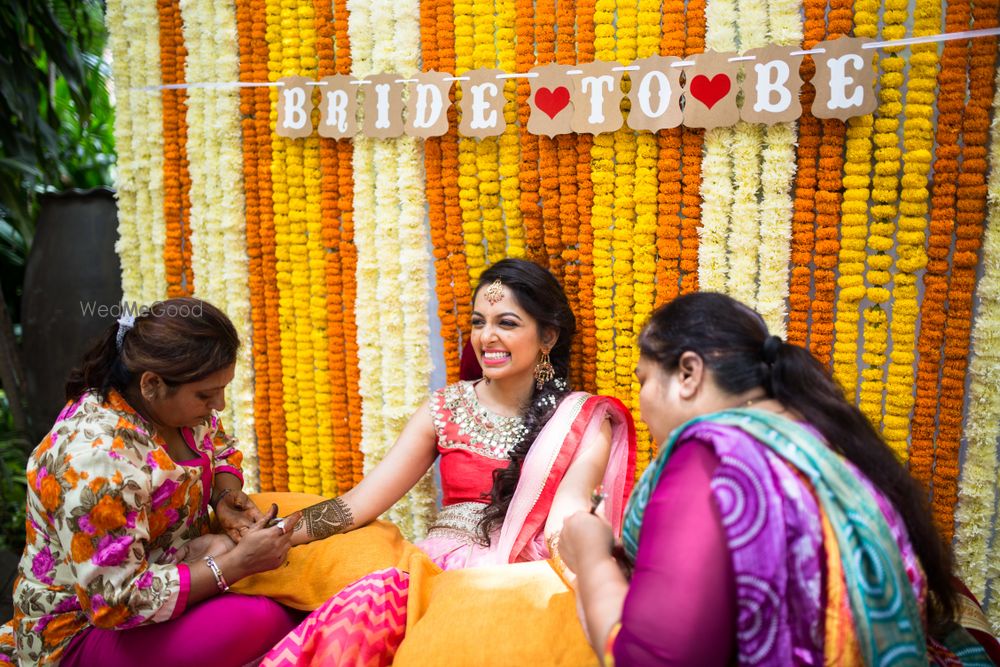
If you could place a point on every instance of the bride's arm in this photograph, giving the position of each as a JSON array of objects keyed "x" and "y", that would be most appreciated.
[
  {"x": 583, "y": 476},
  {"x": 410, "y": 457}
]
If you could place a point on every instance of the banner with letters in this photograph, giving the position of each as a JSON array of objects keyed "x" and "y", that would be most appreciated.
[{"x": 704, "y": 91}]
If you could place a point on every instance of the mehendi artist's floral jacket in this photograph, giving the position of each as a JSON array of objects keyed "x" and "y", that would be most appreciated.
[{"x": 106, "y": 509}]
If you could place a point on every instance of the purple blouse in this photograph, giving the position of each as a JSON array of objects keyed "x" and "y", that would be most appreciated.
[{"x": 681, "y": 604}]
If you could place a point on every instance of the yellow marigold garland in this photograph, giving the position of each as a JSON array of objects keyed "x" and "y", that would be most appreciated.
[
  {"x": 509, "y": 142},
  {"x": 468, "y": 179},
  {"x": 884, "y": 196},
  {"x": 918, "y": 144},
  {"x": 285, "y": 192},
  {"x": 645, "y": 194},
  {"x": 487, "y": 149},
  {"x": 854, "y": 226},
  {"x": 603, "y": 177}
]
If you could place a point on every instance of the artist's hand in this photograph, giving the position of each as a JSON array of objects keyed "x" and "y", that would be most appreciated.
[
  {"x": 265, "y": 547},
  {"x": 584, "y": 538},
  {"x": 212, "y": 544},
  {"x": 236, "y": 514}
]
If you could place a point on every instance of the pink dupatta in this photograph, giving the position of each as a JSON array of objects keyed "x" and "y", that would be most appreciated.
[{"x": 576, "y": 422}]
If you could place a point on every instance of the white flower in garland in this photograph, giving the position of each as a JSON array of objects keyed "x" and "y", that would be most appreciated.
[
  {"x": 133, "y": 30},
  {"x": 218, "y": 224},
  {"x": 777, "y": 179},
  {"x": 716, "y": 168}
]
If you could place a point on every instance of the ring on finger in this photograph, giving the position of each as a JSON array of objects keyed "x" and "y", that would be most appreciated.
[{"x": 281, "y": 525}]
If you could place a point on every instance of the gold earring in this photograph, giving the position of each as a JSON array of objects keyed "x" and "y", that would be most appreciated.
[{"x": 544, "y": 371}]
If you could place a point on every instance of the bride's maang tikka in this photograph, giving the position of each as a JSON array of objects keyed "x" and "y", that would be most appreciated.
[{"x": 494, "y": 293}]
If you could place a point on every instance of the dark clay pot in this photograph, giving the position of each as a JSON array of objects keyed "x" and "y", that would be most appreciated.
[{"x": 72, "y": 265}]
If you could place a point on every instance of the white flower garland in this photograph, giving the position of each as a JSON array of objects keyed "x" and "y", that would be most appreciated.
[
  {"x": 777, "y": 179},
  {"x": 716, "y": 166},
  {"x": 367, "y": 308},
  {"x": 218, "y": 222},
  {"x": 134, "y": 40},
  {"x": 976, "y": 513}
]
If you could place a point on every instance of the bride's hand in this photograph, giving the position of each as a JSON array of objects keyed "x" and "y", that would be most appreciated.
[{"x": 584, "y": 537}]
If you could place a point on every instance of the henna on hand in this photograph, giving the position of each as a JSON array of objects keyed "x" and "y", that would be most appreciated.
[{"x": 327, "y": 518}]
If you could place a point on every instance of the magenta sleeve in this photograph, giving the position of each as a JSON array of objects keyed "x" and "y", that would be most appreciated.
[
  {"x": 185, "y": 575},
  {"x": 681, "y": 604}
]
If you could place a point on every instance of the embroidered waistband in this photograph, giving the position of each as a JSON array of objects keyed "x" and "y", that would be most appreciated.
[{"x": 461, "y": 517}]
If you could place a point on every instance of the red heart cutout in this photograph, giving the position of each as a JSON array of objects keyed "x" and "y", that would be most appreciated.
[
  {"x": 552, "y": 101},
  {"x": 709, "y": 91}
]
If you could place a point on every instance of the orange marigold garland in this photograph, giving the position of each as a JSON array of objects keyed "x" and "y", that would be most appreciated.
[
  {"x": 668, "y": 269},
  {"x": 329, "y": 158},
  {"x": 258, "y": 315},
  {"x": 348, "y": 256},
  {"x": 172, "y": 56},
  {"x": 692, "y": 140},
  {"x": 933, "y": 313},
  {"x": 584, "y": 203},
  {"x": 828, "y": 203},
  {"x": 804, "y": 216},
  {"x": 970, "y": 216},
  {"x": 531, "y": 213},
  {"x": 436, "y": 207},
  {"x": 548, "y": 158},
  {"x": 566, "y": 154}
]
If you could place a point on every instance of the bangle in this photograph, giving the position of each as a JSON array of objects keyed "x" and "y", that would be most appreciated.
[
  {"x": 225, "y": 491},
  {"x": 220, "y": 581}
]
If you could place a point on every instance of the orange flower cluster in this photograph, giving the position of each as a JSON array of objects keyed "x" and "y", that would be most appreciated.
[
  {"x": 804, "y": 216},
  {"x": 691, "y": 141},
  {"x": 828, "y": 201},
  {"x": 934, "y": 311},
  {"x": 548, "y": 164},
  {"x": 668, "y": 167},
  {"x": 584, "y": 203},
  {"x": 450, "y": 332},
  {"x": 176, "y": 178},
  {"x": 970, "y": 215},
  {"x": 348, "y": 261},
  {"x": 449, "y": 178},
  {"x": 531, "y": 214},
  {"x": 329, "y": 158}
]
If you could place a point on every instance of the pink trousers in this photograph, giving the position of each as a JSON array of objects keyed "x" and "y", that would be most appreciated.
[{"x": 227, "y": 630}]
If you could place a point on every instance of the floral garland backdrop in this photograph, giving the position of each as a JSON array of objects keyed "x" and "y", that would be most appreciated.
[{"x": 861, "y": 240}]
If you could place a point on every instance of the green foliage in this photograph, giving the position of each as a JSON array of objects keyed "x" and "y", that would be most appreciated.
[
  {"x": 14, "y": 448},
  {"x": 55, "y": 115}
]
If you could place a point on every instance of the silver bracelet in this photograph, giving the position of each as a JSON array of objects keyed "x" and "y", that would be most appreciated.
[{"x": 220, "y": 581}]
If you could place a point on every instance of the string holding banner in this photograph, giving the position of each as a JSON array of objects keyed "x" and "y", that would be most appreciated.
[{"x": 701, "y": 91}]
